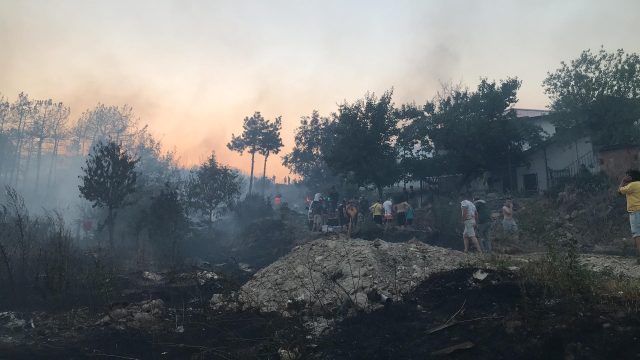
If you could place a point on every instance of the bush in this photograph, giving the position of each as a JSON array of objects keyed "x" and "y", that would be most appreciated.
[
  {"x": 584, "y": 182},
  {"x": 39, "y": 263},
  {"x": 253, "y": 207}
]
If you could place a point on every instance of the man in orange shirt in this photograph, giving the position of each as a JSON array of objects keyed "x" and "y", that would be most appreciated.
[{"x": 630, "y": 187}]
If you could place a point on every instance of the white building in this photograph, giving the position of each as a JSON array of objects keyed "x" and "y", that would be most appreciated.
[{"x": 555, "y": 159}]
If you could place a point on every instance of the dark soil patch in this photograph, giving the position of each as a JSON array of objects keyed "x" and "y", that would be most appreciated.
[
  {"x": 496, "y": 318},
  {"x": 243, "y": 335}
]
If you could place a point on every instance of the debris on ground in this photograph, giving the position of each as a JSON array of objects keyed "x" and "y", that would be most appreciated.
[
  {"x": 145, "y": 315},
  {"x": 335, "y": 275}
]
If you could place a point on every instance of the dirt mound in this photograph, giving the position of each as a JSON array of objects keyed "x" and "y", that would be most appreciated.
[{"x": 339, "y": 274}]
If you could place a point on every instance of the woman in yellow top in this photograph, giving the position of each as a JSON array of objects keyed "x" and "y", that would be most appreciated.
[
  {"x": 630, "y": 187},
  {"x": 377, "y": 210}
]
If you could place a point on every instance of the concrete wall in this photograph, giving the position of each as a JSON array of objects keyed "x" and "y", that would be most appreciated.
[
  {"x": 616, "y": 162},
  {"x": 558, "y": 157}
]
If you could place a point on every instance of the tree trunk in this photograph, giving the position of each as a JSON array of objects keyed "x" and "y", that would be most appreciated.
[
  {"x": 380, "y": 191},
  {"x": 38, "y": 161},
  {"x": 110, "y": 223},
  {"x": 16, "y": 162},
  {"x": 54, "y": 156},
  {"x": 264, "y": 174},
  {"x": 253, "y": 154}
]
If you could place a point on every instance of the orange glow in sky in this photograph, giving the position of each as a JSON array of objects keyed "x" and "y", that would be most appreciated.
[{"x": 192, "y": 70}]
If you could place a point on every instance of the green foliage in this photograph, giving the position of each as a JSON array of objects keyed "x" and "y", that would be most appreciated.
[
  {"x": 40, "y": 264},
  {"x": 597, "y": 95},
  {"x": 306, "y": 158},
  {"x": 109, "y": 178},
  {"x": 168, "y": 224},
  {"x": 253, "y": 207},
  {"x": 361, "y": 143},
  {"x": 270, "y": 143},
  {"x": 477, "y": 131},
  {"x": 212, "y": 187},
  {"x": 414, "y": 145},
  {"x": 584, "y": 181},
  {"x": 257, "y": 135}
]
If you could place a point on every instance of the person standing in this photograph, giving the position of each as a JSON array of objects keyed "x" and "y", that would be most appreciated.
[
  {"x": 410, "y": 215},
  {"x": 484, "y": 224},
  {"x": 316, "y": 213},
  {"x": 469, "y": 217},
  {"x": 508, "y": 223},
  {"x": 342, "y": 214},
  {"x": 388, "y": 212},
  {"x": 401, "y": 213},
  {"x": 630, "y": 187},
  {"x": 377, "y": 211},
  {"x": 333, "y": 200}
]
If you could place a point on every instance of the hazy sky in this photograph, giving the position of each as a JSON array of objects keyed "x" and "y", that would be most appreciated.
[{"x": 193, "y": 70}]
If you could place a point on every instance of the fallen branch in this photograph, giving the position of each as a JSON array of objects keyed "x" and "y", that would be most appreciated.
[
  {"x": 115, "y": 356},
  {"x": 448, "y": 350},
  {"x": 446, "y": 325}
]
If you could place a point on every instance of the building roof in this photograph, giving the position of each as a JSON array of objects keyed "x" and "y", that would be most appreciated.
[{"x": 530, "y": 112}]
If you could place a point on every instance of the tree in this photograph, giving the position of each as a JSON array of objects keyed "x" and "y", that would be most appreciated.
[
  {"x": 361, "y": 141},
  {"x": 109, "y": 178},
  {"x": 306, "y": 158},
  {"x": 250, "y": 139},
  {"x": 211, "y": 186},
  {"x": 4, "y": 138},
  {"x": 105, "y": 122},
  {"x": 479, "y": 131},
  {"x": 59, "y": 132},
  {"x": 597, "y": 95},
  {"x": 167, "y": 223},
  {"x": 21, "y": 111},
  {"x": 270, "y": 143}
]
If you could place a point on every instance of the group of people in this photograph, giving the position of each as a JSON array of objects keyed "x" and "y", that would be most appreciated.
[
  {"x": 385, "y": 212},
  {"x": 476, "y": 219},
  {"x": 347, "y": 211}
]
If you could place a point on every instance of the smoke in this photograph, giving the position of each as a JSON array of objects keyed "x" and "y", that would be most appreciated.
[{"x": 193, "y": 71}]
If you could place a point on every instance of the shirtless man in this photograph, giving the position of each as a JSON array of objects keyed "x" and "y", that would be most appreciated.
[
  {"x": 508, "y": 224},
  {"x": 469, "y": 218}
]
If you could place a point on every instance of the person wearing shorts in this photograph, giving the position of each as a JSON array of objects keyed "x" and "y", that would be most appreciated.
[
  {"x": 388, "y": 209},
  {"x": 469, "y": 217},
  {"x": 377, "y": 211},
  {"x": 630, "y": 187},
  {"x": 401, "y": 213}
]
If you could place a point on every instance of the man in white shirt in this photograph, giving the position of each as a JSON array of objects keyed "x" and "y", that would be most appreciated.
[
  {"x": 469, "y": 219},
  {"x": 388, "y": 208}
]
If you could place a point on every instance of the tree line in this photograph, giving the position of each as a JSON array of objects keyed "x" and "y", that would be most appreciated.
[{"x": 372, "y": 141}]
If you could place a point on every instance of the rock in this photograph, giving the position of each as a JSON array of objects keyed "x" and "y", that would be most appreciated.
[
  {"x": 288, "y": 354},
  {"x": 11, "y": 321},
  {"x": 337, "y": 274},
  {"x": 152, "y": 276},
  {"x": 224, "y": 302},
  {"x": 154, "y": 307},
  {"x": 206, "y": 276},
  {"x": 480, "y": 275},
  {"x": 118, "y": 314}
]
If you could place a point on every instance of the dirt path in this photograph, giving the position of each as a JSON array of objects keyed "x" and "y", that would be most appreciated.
[
  {"x": 597, "y": 262},
  {"x": 618, "y": 264}
]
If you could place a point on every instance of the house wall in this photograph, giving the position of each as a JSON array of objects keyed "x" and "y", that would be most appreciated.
[
  {"x": 558, "y": 157},
  {"x": 615, "y": 163}
]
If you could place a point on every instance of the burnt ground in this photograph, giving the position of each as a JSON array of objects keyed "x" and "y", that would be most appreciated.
[
  {"x": 185, "y": 328},
  {"x": 243, "y": 335},
  {"x": 498, "y": 317},
  {"x": 489, "y": 319}
]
